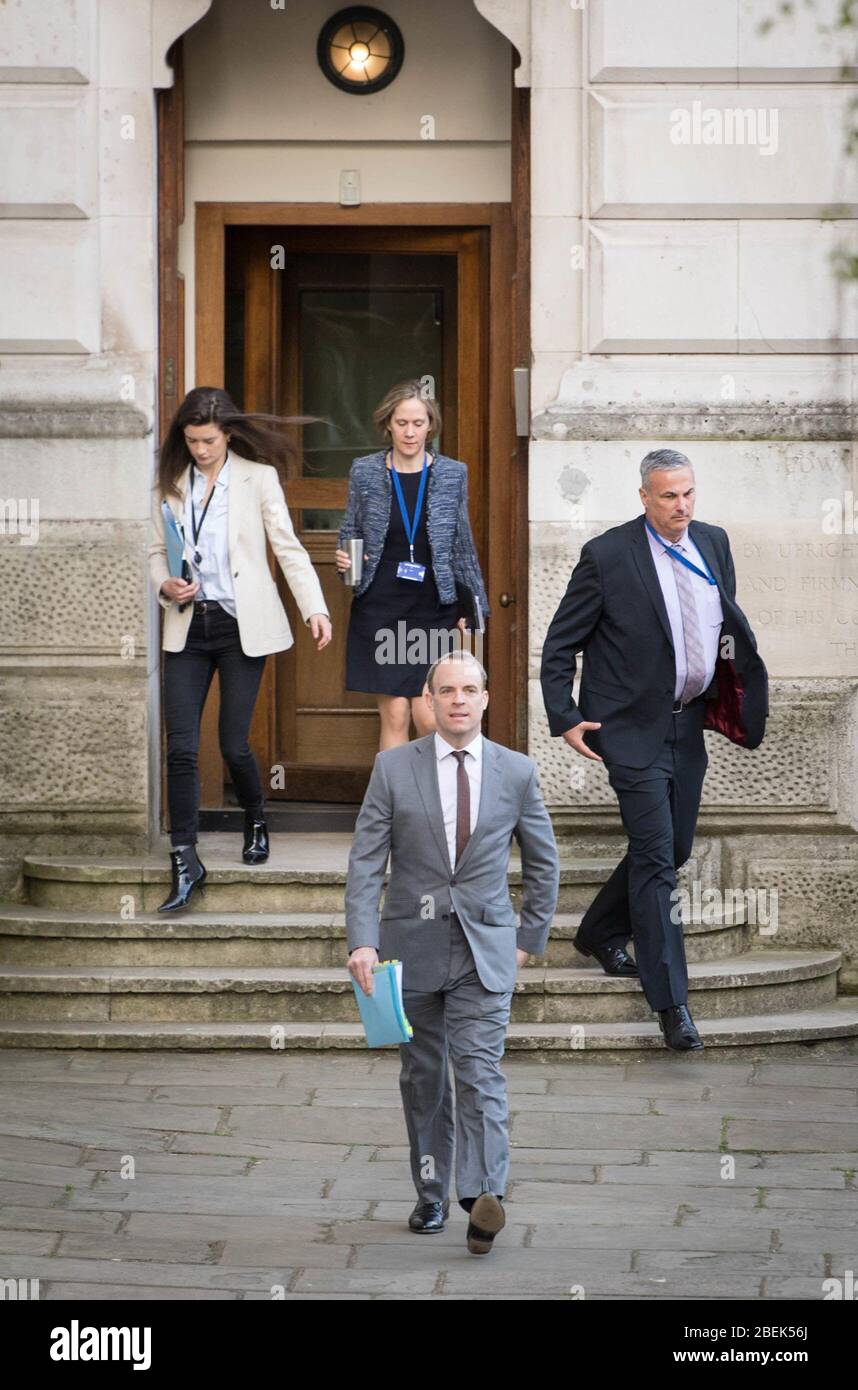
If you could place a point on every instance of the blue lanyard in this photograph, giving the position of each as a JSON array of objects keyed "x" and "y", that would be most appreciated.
[
  {"x": 410, "y": 526},
  {"x": 675, "y": 555}
]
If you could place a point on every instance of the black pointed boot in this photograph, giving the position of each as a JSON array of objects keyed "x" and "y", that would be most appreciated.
[
  {"x": 188, "y": 874},
  {"x": 255, "y": 839}
]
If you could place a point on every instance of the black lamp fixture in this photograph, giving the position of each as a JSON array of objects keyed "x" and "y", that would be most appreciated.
[{"x": 360, "y": 50}]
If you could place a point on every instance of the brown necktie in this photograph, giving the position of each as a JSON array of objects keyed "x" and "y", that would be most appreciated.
[{"x": 463, "y": 804}]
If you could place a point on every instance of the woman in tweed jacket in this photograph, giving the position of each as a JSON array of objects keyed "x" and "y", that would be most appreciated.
[{"x": 444, "y": 543}]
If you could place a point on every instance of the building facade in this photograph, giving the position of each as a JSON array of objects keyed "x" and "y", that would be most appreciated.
[{"x": 605, "y": 226}]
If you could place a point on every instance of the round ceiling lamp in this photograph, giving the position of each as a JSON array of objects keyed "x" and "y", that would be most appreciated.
[{"x": 360, "y": 50}]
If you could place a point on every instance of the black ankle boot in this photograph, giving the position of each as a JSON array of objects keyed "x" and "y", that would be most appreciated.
[
  {"x": 255, "y": 839},
  {"x": 188, "y": 874}
]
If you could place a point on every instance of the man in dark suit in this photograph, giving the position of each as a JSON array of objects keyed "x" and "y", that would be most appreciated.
[{"x": 651, "y": 605}]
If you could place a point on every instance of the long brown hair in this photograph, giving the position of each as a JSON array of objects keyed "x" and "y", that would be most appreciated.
[{"x": 251, "y": 434}]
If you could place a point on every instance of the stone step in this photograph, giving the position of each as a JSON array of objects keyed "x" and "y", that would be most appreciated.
[
  {"x": 284, "y": 884},
  {"x": 753, "y": 983},
  {"x": 31, "y": 935},
  {"x": 797, "y": 1033},
  {"x": 259, "y": 962}
]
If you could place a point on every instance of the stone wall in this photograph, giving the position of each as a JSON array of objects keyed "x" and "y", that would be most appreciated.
[
  {"x": 78, "y": 635},
  {"x": 684, "y": 292}
]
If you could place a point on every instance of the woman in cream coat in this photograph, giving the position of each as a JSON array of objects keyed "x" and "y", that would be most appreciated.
[{"x": 226, "y": 614}]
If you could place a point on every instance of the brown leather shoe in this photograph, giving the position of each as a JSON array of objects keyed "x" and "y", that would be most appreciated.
[{"x": 485, "y": 1219}]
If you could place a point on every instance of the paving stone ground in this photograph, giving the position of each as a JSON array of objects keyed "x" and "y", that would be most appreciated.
[{"x": 255, "y": 1171}]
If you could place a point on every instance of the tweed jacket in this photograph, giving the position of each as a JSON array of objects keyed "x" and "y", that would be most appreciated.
[{"x": 448, "y": 525}]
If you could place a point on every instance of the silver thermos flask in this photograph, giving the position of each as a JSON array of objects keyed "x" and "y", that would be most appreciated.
[{"x": 354, "y": 572}]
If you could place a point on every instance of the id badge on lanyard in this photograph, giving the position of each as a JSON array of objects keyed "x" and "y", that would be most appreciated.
[
  {"x": 689, "y": 565},
  {"x": 407, "y": 569}
]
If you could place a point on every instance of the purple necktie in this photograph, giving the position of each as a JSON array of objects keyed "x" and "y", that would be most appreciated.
[{"x": 695, "y": 656}]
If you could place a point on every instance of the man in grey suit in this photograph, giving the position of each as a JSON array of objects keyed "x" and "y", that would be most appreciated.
[{"x": 446, "y": 808}]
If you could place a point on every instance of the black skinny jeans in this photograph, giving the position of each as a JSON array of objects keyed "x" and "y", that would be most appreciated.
[{"x": 213, "y": 644}]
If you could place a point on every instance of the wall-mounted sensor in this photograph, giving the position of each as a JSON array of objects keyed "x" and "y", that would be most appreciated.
[{"x": 349, "y": 188}]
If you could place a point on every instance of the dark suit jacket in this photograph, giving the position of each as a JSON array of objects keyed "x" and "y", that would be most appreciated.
[{"x": 614, "y": 613}]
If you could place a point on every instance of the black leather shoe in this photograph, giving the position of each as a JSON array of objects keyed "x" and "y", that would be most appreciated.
[
  {"x": 188, "y": 874},
  {"x": 428, "y": 1217},
  {"x": 255, "y": 840},
  {"x": 485, "y": 1219},
  {"x": 678, "y": 1029},
  {"x": 614, "y": 960}
]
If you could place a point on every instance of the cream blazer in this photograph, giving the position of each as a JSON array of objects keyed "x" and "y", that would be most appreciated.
[{"x": 256, "y": 509}]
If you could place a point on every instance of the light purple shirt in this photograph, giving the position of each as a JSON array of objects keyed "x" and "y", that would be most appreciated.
[{"x": 710, "y": 614}]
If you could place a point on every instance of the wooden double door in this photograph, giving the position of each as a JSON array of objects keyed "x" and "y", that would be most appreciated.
[{"x": 319, "y": 321}]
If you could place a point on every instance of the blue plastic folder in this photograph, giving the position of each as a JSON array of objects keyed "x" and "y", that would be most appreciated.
[
  {"x": 175, "y": 540},
  {"x": 382, "y": 1013}
]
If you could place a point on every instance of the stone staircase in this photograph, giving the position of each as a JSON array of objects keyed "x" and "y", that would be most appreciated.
[{"x": 86, "y": 961}]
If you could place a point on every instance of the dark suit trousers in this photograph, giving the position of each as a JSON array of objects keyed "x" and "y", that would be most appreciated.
[{"x": 659, "y": 806}]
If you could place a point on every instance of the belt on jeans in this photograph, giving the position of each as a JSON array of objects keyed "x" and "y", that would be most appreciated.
[{"x": 203, "y": 605}]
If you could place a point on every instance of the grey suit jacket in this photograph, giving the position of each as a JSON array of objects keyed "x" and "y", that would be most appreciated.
[{"x": 401, "y": 816}]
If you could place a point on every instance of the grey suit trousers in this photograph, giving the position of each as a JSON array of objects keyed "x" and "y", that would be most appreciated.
[{"x": 471, "y": 1021}]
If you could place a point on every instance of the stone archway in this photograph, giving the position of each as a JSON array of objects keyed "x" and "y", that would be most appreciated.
[
  {"x": 512, "y": 19},
  {"x": 172, "y": 18}
]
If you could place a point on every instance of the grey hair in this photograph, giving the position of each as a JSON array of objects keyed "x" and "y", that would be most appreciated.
[
  {"x": 662, "y": 460},
  {"x": 457, "y": 655}
]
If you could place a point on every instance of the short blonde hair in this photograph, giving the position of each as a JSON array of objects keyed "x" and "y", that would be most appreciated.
[{"x": 406, "y": 391}]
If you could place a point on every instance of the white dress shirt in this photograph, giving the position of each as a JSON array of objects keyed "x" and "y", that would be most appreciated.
[
  {"x": 213, "y": 573},
  {"x": 448, "y": 768},
  {"x": 710, "y": 614}
]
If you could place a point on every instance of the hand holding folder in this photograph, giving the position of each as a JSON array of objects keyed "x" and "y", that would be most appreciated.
[
  {"x": 174, "y": 535},
  {"x": 382, "y": 1012}
]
